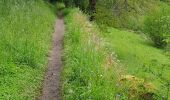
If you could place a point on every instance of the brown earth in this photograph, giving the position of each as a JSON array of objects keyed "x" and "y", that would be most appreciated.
[{"x": 51, "y": 85}]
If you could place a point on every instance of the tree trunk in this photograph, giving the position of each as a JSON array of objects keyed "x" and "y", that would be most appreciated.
[{"x": 92, "y": 6}]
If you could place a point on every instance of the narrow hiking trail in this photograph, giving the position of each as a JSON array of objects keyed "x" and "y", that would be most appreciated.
[{"x": 51, "y": 85}]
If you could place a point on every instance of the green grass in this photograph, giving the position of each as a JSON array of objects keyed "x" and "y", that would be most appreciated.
[
  {"x": 86, "y": 74},
  {"x": 140, "y": 57},
  {"x": 114, "y": 13},
  {"x": 92, "y": 70},
  {"x": 25, "y": 31}
]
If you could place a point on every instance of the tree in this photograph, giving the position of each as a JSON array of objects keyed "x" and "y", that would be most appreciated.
[{"x": 92, "y": 8}]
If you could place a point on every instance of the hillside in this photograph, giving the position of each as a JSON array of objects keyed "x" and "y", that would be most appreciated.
[
  {"x": 115, "y": 13},
  {"x": 141, "y": 59},
  {"x": 97, "y": 50},
  {"x": 103, "y": 62},
  {"x": 96, "y": 61}
]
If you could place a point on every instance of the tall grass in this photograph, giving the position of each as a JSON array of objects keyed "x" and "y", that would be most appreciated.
[
  {"x": 92, "y": 71},
  {"x": 86, "y": 74},
  {"x": 25, "y": 37}
]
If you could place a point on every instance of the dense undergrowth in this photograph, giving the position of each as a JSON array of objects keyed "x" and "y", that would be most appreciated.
[
  {"x": 157, "y": 26},
  {"x": 25, "y": 32}
]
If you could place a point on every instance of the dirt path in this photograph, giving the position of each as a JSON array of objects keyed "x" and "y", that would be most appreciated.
[{"x": 51, "y": 86}]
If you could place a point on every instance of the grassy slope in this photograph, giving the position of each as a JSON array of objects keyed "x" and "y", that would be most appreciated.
[
  {"x": 136, "y": 52},
  {"x": 117, "y": 15},
  {"x": 25, "y": 33},
  {"x": 87, "y": 73},
  {"x": 140, "y": 57}
]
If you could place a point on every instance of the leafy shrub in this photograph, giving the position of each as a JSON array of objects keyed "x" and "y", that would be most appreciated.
[
  {"x": 135, "y": 88},
  {"x": 157, "y": 26}
]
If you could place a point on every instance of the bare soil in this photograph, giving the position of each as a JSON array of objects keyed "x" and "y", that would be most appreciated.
[{"x": 51, "y": 86}]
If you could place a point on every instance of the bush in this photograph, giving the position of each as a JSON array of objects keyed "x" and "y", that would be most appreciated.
[{"x": 157, "y": 26}]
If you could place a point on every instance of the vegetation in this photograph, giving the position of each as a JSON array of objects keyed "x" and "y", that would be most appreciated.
[
  {"x": 141, "y": 59},
  {"x": 138, "y": 16},
  {"x": 157, "y": 25},
  {"x": 113, "y": 49},
  {"x": 82, "y": 4},
  {"x": 25, "y": 31},
  {"x": 93, "y": 71},
  {"x": 136, "y": 65},
  {"x": 85, "y": 75},
  {"x": 115, "y": 12},
  {"x": 150, "y": 17}
]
